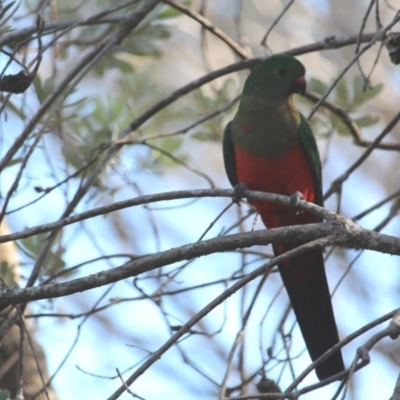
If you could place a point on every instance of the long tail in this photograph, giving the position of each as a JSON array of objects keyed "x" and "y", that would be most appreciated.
[{"x": 305, "y": 281}]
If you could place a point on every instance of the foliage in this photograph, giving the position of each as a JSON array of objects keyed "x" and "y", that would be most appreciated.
[
  {"x": 350, "y": 96},
  {"x": 107, "y": 120}
]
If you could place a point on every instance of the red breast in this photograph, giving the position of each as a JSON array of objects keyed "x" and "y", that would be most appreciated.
[{"x": 284, "y": 175}]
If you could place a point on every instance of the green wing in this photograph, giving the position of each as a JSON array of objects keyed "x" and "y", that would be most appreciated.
[
  {"x": 310, "y": 147},
  {"x": 229, "y": 155}
]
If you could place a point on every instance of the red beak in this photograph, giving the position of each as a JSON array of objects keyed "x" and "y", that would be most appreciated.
[{"x": 299, "y": 85}]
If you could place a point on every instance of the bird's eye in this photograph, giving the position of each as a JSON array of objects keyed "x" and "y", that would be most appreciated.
[{"x": 282, "y": 71}]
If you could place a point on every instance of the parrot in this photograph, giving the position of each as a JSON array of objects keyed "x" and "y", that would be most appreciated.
[{"x": 269, "y": 146}]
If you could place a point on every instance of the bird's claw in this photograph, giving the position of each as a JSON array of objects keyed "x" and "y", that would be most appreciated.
[
  {"x": 294, "y": 201},
  {"x": 238, "y": 191}
]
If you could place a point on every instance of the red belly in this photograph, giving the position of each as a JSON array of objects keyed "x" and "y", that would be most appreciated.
[{"x": 284, "y": 175}]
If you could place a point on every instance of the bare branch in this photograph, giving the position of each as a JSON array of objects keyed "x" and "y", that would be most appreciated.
[
  {"x": 167, "y": 196},
  {"x": 218, "y": 300},
  {"x": 341, "y": 232}
]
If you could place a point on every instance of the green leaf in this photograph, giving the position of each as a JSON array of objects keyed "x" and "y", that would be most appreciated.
[
  {"x": 9, "y": 274},
  {"x": 169, "y": 12},
  {"x": 366, "y": 120},
  {"x": 316, "y": 85},
  {"x": 4, "y": 11},
  {"x": 342, "y": 94},
  {"x": 122, "y": 64},
  {"x": 5, "y": 395},
  {"x": 339, "y": 126},
  {"x": 53, "y": 262},
  {"x": 112, "y": 61},
  {"x": 79, "y": 102},
  {"x": 37, "y": 85},
  {"x": 318, "y": 125},
  {"x": 16, "y": 110},
  {"x": 154, "y": 32},
  {"x": 6, "y": 8},
  {"x": 205, "y": 137},
  {"x": 360, "y": 95},
  {"x": 171, "y": 144},
  {"x": 227, "y": 91},
  {"x": 142, "y": 47},
  {"x": 43, "y": 89}
]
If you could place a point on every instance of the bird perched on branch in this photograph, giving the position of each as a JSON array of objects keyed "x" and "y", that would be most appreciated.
[{"x": 269, "y": 146}]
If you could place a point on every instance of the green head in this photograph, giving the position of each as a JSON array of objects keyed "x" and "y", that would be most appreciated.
[{"x": 276, "y": 78}]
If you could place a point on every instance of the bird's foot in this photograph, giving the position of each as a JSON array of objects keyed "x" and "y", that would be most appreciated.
[
  {"x": 294, "y": 201},
  {"x": 238, "y": 191}
]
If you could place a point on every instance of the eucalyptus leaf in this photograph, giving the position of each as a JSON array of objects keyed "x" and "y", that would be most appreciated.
[
  {"x": 204, "y": 136},
  {"x": 9, "y": 16},
  {"x": 43, "y": 88},
  {"x": 360, "y": 95},
  {"x": 14, "y": 109},
  {"x": 5, "y": 395},
  {"x": 169, "y": 12},
  {"x": 340, "y": 127},
  {"x": 342, "y": 94},
  {"x": 316, "y": 85},
  {"x": 143, "y": 47},
  {"x": 53, "y": 262},
  {"x": 366, "y": 120}
]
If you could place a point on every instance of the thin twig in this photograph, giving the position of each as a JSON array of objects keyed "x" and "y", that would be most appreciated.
[
  {"x": 204, "y": 22},
  {"x": 279, "y": 17},
  {"x": 218, "y": 300}
]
